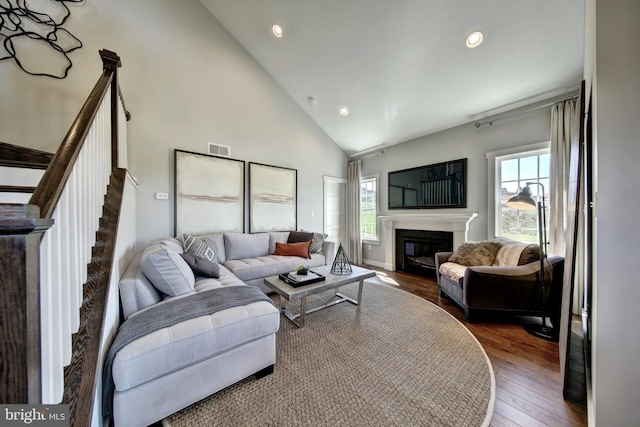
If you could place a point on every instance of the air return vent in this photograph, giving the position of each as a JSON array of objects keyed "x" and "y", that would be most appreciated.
[{"x": 219, "y": 150}]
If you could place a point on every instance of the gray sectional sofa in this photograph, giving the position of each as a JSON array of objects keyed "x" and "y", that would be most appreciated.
[{"x": 175, "y": 365}]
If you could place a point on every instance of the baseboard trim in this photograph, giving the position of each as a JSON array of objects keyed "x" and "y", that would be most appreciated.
[{"x": 376, "y": 264}]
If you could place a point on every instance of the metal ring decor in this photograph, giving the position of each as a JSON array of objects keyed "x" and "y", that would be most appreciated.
[{"x": 22, "y": 27}]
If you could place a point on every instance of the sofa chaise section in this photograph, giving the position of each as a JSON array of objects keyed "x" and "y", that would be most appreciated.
[
  {"x": 173, "y": 367},
  {"x": 176, "y": 366}
]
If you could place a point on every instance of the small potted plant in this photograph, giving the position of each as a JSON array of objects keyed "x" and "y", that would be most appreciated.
[{"x": 302, "y": 270}]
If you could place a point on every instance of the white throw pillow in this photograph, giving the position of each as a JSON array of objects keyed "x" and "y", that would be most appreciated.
[{"x": 166, "y": 270}]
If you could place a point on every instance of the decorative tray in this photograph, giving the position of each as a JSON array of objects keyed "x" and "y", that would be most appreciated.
[{"x": 297, "y": 280}]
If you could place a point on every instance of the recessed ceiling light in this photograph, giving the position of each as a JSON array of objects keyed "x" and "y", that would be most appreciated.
[
  {"x": 474, "y": 39},
  {"x": 277, "y": 30},
  {"x": 344, "y": 111}
]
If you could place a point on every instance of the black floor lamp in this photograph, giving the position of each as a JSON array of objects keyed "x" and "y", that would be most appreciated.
[{"x": 524, "y": 201}]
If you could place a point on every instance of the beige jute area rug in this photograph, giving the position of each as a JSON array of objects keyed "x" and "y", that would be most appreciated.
[{"x": 395, "y": 360}]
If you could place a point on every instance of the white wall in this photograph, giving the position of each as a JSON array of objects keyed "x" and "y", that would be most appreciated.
[
  {"x": 460, "y": 142},
  {"x": 186, "y": 81},
  {"x": 616, "y": 92}
]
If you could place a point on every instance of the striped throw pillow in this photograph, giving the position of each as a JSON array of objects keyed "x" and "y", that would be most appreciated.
[
  {"x": 317, "y": 242},
  {"x": 200, "y": 246}
]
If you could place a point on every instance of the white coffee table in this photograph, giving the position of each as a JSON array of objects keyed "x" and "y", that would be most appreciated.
[{"x": 286, "y": 292}]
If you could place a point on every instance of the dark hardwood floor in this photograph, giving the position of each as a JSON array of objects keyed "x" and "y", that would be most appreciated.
[{"x": 527, "y": 369}]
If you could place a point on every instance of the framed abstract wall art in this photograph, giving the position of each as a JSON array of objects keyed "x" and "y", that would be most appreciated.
[
  {"x": 273, "y": 195},
  {"x": 209, "y": 194}
]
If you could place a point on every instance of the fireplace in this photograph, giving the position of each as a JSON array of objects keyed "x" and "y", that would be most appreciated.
[
  {"x": 416, "y": 249},
  {"x": 455, "y": 223}
]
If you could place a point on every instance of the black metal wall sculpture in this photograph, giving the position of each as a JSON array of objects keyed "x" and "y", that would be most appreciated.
[{"x": 25, "y": 30}]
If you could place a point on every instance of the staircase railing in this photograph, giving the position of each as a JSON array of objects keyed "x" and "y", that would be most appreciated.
[{"x": 46, "y": 247}]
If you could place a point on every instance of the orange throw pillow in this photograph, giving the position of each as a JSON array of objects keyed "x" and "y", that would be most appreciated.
[{"x": 293, "y": 249}]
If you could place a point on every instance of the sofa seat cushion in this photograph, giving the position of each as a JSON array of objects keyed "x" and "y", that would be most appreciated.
[
  {"x": 453, "y": 271},
  {"x": 192, "y": 341},
  {"x": 265, "y": 266},
  {"x": 226, "y": 279}
]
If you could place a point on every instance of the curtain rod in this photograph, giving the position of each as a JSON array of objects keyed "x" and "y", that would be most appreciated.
[
  {"x": 369, "y": 152},
  {"x": 540, "y": 107},
  {"x": 363, "y": 156}
]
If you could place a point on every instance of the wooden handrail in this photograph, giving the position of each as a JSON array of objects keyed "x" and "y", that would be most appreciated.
[
  {"x": 22, "y": 227},
  {"x": 55, "y": 177}
]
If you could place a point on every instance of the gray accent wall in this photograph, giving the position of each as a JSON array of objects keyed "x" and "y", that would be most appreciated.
[
  {"x": 187, "y": 82},
  {"x": 456, "y": 143}
]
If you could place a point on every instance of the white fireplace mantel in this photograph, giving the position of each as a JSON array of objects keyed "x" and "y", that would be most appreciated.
[{"x": 458, "y": 223}]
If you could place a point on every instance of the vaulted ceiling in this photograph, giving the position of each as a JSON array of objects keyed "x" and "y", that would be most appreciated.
[{"x": 402, "y": 67}]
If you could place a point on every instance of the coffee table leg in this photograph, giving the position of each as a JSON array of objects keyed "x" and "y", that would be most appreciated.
[
  {"x": 360, "y": 291},
  {"x": 299, "y": 319},
  {"x": 303, "y": 311},
  {"x": 343, "y": 297},
  {"x": 296, "y": 319}
]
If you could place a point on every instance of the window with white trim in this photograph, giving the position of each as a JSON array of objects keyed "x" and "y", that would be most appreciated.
[
  {"x": 513, "y": 171},
  {"x": 369, "y": 208}
]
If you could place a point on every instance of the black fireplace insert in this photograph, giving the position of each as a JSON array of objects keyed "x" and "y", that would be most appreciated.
[{"x": 416, "y": 249}]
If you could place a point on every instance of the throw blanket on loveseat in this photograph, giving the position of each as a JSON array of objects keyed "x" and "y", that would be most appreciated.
[{"x": 168, "y": 314}]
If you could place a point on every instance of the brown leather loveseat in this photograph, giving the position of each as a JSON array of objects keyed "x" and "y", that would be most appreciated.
[{"x": 500, "y": 275}]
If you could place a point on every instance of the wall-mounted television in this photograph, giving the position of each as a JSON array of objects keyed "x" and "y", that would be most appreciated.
[{"x": 440, "y": 185}]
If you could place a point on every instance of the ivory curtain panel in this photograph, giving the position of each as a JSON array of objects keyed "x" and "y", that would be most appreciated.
[
  {"x": 354, "y": 251},
  {"x": 565, "y": 133}
]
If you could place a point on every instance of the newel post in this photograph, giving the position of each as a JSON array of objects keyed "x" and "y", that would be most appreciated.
[
  {"x": 111, "y": 62},
  {"x": 21, "y": 230}
]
